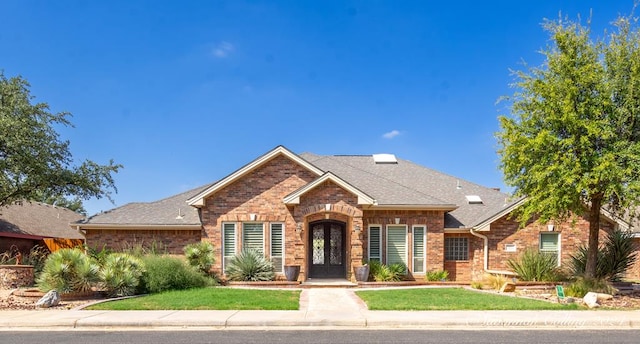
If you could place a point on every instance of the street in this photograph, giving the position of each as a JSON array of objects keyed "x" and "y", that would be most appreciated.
[{"x": 323, "y": 336}]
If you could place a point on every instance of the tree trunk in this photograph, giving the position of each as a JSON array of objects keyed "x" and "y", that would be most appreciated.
[{"x": 594, "y": 231}]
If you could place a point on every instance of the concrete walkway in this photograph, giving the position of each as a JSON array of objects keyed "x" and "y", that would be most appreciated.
[{"x": 320, "y": 308}]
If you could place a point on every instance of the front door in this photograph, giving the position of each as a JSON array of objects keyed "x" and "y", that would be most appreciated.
[{"x": 327, "y": 250}]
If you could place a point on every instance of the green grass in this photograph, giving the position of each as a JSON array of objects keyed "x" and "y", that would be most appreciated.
[
  {"x": 426, "y": 299},
  {"x": 209, "y": 299}
]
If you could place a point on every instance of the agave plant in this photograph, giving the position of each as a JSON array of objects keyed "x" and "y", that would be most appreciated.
[
  {"x": 67, "y": 271},
  {"x": 250, "y": 265},
  {"x": 615, "y": 256},
  {"x": 534, "y": 265},
  {"x": 200, "y": 255},
  {"x": 121, "y": 274}
]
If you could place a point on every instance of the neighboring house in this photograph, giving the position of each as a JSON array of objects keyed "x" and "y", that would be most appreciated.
[
  {"x": 25, "y": 225},
  {"x": 329, "y": 214}
]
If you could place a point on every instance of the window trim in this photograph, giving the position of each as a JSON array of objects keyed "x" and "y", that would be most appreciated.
[
  {"x": 558, "y": 244},
  {"x": 235, "y": 242},
  {"x": 379, "y": 257},
  {"x": 424, "y": 248},
  {"x": 406, "y": 243},
  {"x": 282, "y": 248}
]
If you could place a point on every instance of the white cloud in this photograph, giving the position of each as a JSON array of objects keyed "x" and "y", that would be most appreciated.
[
  {"x": 391, "y": 134},
  {"x": 223, "y": 49}
]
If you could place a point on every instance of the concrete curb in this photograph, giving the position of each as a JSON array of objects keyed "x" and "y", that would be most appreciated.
[{"x": 176, "y": 320}]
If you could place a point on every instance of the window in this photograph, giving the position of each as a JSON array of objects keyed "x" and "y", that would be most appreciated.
[
  {"x": 418, "y": 248},
  {"x": 374, "y": 243},
  {"x": 396, "y": 244},
  {"x": 456, "y": 248},
  {"x": 228, "y": 243},
  {"x": 277, "y": 246},
  {"x": 550, "y": 244},
  {"x": 253, "y": 237}
]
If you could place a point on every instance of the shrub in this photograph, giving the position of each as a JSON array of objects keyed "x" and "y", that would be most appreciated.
[
  {"x": 36, "y": 257},
  {"x": 495, "y": 281},
  {"x": 615, "y": 256},
  {"x": 120, "y": 274},
  {"x": 200, "y": 256},
  {"x": 68, "y": 270},
  {"x": 164, "y": 273},
  {"x": 438, "y": 275},
  {"x": 582, "y": 286},
  {"x": 534, "y": 265},
  {"x": 250, "y": 265},
  {"x": 476, "y": 285},
  {"x": 387, "y": 273},
  {"x": 99, "y": 255}
]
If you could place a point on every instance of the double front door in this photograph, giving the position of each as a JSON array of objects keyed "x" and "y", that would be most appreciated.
[{"x": 327, "y": 249}]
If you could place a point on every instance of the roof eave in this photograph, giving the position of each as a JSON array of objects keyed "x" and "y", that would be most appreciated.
[
  {"x": 135, "y": 226},
  {"x": 440, "y": 207}
]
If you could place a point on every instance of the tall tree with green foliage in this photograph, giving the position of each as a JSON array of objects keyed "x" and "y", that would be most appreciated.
[
  {"x": 571, "y": 144},
  {"x": 33, "y": 159}
]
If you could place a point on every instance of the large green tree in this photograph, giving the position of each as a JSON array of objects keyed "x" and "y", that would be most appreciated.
[
  {"x": 571, "y": 143},
  {"x": 34, "y": 161}
]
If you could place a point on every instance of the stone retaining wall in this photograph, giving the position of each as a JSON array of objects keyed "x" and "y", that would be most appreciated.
[{"x": 16, "y": 276}]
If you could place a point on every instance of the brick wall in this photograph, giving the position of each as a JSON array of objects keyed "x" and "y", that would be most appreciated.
[
  {"x": 634, "y": 272},
  {"x": 466, "y": 270},
  {"x": 173, "y": 241},
  {"x": 260, "y": 192}
]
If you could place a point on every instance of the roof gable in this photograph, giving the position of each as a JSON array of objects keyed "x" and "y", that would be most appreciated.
[
  {"x": 198, "y": 200},
  {"x": 363, "y": 198}
]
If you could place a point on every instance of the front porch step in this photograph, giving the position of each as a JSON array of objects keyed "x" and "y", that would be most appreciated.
[{"x": 328, "y": 283}]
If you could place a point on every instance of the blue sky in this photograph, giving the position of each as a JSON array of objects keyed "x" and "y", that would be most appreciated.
[{"x": 183, "y": 93}]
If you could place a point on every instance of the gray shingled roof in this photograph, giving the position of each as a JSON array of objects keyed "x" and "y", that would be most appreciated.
[
  {"x": 407, "y": 183},
  {"x": 163, "y": 212},
  {"x": 38, "y": 220},
  {"x": 404, "y": 183}
]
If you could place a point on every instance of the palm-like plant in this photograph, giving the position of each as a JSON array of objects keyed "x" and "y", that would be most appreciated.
[
  {"x": 200, "y": 255},
  {"x": 250, "y": 265},
  {"x": 615, "y": 256},
  {"x": 121, "y": 274},
  {"x": 68, "y": 270}
]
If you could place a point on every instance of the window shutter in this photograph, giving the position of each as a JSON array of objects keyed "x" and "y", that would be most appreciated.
[
  {"x": 374, "y": 243},
  {"x": 277, "y": 245},
  {"x": 253, "y": 237},
  {"x": 418, "y": 249},
  {"x": 396, "y": 245},
  {"x": 228, "y": 243}
]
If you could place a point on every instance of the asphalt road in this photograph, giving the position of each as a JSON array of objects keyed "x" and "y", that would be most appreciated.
[{"x": 322, "y": 336}]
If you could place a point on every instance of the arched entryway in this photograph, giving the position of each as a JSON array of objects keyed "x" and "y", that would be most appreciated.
[{"x": 327, "y": 249}]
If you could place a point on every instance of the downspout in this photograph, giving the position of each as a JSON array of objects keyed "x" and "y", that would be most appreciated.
[{"x": 486, "y": 255}]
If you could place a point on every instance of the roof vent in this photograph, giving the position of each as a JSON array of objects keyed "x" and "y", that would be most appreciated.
[
  {"x": 473, "y": 199},
  {"x": 385, "y": 159}
]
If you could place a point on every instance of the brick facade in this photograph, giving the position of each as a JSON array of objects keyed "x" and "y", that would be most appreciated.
[
  {"x": 258, "y": 197},
  {"x": 171, "y": 241}
]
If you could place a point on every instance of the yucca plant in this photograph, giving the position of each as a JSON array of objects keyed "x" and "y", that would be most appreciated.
[
  {"x": 250, "y": 265},
  {"x": 120, "y": 274},
  {"x": 534, "y": 265},
  {"x": 438, "y": 275},
  {"x": 200, "y": 256},
  {"x": 68, "y": 271},
  {"x": 615, "y": 256},
  {"x": 388, "y": 273}
]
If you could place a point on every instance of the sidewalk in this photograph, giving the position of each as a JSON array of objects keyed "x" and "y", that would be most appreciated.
[{"x": 322, "y": 308}]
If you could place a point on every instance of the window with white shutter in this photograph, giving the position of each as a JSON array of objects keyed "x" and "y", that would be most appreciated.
[
  {"x": 253, "y": 236},
  {"x": 374, "y": 243},
  {"x": 396, "y": 244},
  {"x": 418, "y": 248},
  {"x": 228, "y": 243},
  {"x": 277, "y": 246}
]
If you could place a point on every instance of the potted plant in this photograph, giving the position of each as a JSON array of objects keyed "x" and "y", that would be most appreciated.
[
  {"x": 291, "y": 272},
  {"x": 362, "y": 272}
]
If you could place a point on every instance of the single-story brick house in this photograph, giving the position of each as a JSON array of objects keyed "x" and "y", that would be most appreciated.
[
  {"x": 25, "y": 225},
  {"x": 329, "y": 214}
]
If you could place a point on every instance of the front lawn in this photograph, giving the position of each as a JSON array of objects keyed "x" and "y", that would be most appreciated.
[
  {"x": 427, "y": 299},
  {"x": 218, "y": 298}
]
